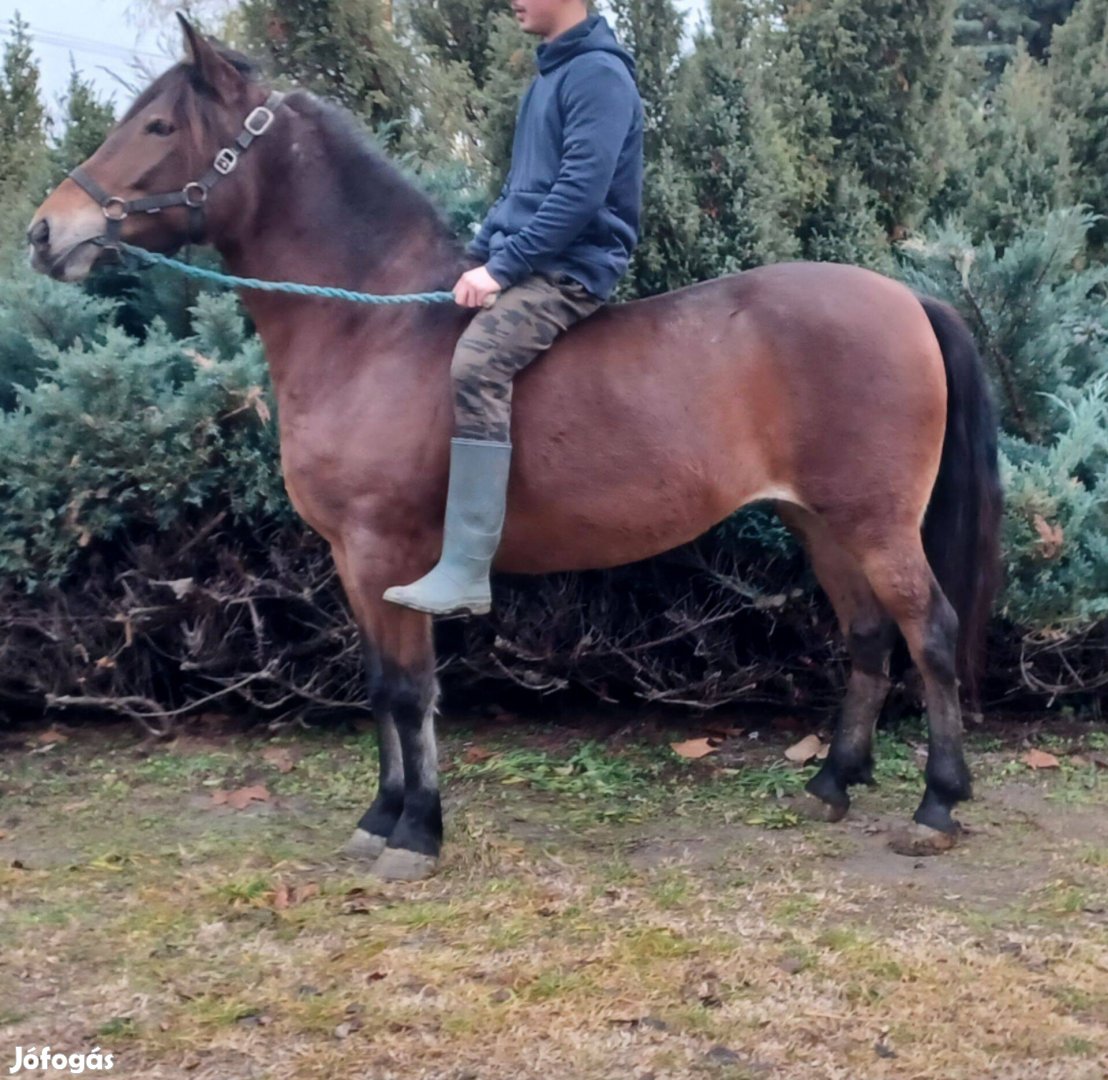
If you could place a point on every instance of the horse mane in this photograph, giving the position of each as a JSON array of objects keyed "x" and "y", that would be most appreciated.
[{"x": 367, "y": 179}]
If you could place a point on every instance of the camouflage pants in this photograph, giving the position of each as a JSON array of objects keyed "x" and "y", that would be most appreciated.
[{"x": 503, "y": 340}]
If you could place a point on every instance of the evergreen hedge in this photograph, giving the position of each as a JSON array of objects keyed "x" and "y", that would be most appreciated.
[{"x": 150, "y": 562}]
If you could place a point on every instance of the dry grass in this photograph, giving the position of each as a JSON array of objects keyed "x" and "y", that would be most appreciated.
[{"x": 613, "y": 917}]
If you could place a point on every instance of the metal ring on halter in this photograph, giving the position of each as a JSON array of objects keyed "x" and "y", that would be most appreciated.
[
  {"x": 194, "y": 185},
  {"x": 109, "y": 202}
]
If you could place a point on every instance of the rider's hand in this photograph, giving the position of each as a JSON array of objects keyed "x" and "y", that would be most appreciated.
[{"x": 476, "y": 288}]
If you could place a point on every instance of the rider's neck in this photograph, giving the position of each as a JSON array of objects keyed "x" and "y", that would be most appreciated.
[{"x": 569, "y": 18}]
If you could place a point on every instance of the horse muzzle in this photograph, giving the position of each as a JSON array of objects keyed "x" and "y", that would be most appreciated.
[{"x": 64, "y": 246}]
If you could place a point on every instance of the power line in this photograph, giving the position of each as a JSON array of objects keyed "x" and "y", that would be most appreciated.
[{"x": 78, "y": 43}]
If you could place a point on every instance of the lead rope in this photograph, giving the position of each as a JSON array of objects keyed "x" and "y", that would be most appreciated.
[{"x": 326, "y": 292}]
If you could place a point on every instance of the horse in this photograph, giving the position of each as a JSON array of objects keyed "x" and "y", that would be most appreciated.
[{"x": 860, "y": 410}]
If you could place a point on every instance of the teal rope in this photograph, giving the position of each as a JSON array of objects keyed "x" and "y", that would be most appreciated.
[{"x": 151, "y": 258}]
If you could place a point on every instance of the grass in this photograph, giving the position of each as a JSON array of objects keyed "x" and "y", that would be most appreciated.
[{"x": 600, "y": 913}]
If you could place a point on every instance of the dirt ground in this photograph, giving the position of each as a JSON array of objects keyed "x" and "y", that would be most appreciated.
[{"x": 605, "y": 909}]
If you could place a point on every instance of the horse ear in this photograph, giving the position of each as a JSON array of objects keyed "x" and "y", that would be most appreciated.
[{"x": 216, "y": 73}]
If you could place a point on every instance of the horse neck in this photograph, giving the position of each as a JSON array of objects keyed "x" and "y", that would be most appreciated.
[{"x": 296, "y": 223}]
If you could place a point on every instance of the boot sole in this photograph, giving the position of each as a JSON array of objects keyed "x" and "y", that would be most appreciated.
[{"x": 476, "y": 608}]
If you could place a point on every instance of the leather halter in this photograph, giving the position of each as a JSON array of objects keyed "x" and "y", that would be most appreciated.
[{"x": 192, "y": 196}]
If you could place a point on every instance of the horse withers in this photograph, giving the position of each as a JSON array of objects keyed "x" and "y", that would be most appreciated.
[{"x": 861, "y": 410}]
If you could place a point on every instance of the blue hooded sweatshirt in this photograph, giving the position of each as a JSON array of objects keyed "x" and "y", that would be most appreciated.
[{"x": 572, "y": 198}]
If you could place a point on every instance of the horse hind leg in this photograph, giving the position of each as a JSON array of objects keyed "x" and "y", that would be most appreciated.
[
  {"x": 870, "y": 634},
  {"x": 904, "y": 583},
  {"x": 870, "y": 638}
]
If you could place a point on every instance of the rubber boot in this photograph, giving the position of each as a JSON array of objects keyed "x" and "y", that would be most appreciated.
[{"x": 475, "y": 502}]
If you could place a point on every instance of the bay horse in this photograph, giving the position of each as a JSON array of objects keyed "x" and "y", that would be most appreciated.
[{"x": 860, "y": 409}]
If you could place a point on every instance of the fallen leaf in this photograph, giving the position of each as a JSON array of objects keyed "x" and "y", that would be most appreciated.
[
  {"x": 286, "y": 896},
  {"x": 1040, "y": 759},
  {"x": 242, "y": 797},
  {"x": 280, "y": 757},
  {"x": 358, "y": 902},
  {"x": 803, "y": 751},
  {"x": 474, "y": 755},
  {"x": 693, "y": 748}
]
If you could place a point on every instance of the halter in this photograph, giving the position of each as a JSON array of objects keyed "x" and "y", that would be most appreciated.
[{"x": 192, "y": 196}]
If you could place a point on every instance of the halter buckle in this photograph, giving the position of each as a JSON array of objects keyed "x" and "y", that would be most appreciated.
[
  {"x": 106, "y": 208},
  {"x": 257, "y": 123},
  {"x": 225, "y": 161},
  {"x": 194, "y": 185}
]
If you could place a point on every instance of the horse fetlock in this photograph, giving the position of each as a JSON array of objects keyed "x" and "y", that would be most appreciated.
[
  {"x": 419, "y": 828},
  {"x": 383, "y": 814},
  {"x": 948, "y": 778},
  {"x": 828, "y": 786}
]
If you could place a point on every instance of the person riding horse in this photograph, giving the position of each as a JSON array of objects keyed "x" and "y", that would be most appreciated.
[
  {"x": 859, "y": 410},
  {"x": 551, "y": 248}
]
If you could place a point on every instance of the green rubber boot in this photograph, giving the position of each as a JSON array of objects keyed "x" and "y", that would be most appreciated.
[{"x": 475, "y": 502}]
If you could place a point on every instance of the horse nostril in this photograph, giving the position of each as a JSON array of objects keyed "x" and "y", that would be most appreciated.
[{"x": 39, "y": 233}]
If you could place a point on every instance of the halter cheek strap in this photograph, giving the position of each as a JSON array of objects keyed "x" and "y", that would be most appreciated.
[{"x": 192, "y": 196}]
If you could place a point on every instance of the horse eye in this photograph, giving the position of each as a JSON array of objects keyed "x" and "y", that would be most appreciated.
[{"x": 159, "y": 127}]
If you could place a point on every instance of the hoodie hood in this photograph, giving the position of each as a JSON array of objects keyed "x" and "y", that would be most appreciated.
[{"x": 591, "y": 35}]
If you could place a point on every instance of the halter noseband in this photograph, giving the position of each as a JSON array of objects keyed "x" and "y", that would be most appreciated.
[{"x": 192, "y": 196}]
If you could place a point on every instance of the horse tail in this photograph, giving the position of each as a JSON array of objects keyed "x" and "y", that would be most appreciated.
[{"x": 961, "y": 529}]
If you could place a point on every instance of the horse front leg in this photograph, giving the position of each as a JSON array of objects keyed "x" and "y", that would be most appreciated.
[
  {"x": 377, "y": 823},
  {"x": 402, "y": 829}
]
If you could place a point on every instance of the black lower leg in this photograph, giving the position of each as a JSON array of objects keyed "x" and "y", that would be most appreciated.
[
  {"x": 948, "y": 776},
  {"x": 419, "y": 827},
  {"x": 384, "y": 812},
  {"x": 850, "y": 758},
  {"x": 388, "y": 804}
]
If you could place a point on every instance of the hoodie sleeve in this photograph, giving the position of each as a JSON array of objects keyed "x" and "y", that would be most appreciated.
[{"x": 598, "y": 112}]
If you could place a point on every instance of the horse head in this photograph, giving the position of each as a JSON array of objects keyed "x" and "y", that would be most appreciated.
[{"x": 152, "y": 182}]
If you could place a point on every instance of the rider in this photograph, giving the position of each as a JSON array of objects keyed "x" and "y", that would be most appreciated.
[{"x": 551, "y": 249}]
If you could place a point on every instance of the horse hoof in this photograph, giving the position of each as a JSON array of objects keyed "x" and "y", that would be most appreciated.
[
  {"x": 364, "y": 845},
  {"x": 815, "y": 809},
  {"x": 396, "y": 864},
  {"x": 918, "y": 840}
]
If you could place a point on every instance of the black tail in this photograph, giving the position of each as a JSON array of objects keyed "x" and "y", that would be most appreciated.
[{"x": 961, "y": 531}]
